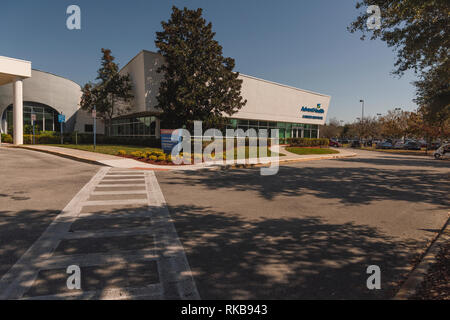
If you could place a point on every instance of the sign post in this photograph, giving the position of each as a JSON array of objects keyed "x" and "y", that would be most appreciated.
[
  {"x": 61, "y": 120},
  {"x": 33, "y": 119},
  {"x": 167, "y": 144},
  {"x": 94, "y": 115}
]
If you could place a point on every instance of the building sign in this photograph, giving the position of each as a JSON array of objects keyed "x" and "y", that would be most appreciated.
[
  {"x": 317, "y": 110},
  {"x": 61, "y": 118},
  {"x": 166, "y": 140}
]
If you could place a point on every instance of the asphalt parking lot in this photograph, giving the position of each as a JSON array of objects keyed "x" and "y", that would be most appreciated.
[
  {"x": 34, "y": 188},
  {"x": 310, "y": 231}
]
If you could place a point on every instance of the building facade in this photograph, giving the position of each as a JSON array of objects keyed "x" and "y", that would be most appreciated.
[
  {"x": 46, "y": 96},
  {"x": 295, "y": 112}
]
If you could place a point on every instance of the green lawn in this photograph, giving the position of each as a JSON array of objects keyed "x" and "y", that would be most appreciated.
[
  {"x": 113, "y": 149},
  {"x": 304, "y": 151},
  {"x": 258, "y": 151}
]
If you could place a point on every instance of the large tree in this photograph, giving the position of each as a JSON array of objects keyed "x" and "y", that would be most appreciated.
[
  {"x": 199, "y": 83},
  {"x": 111, "y": 94},
  {"x": 418, "y": 31}
]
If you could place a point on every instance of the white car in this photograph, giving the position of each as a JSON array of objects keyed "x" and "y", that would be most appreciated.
[{"x": 442, "y": 151}]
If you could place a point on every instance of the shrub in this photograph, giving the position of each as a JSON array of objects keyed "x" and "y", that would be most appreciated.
[
  {"x": 307, "y": 142},
  {"x": 161, "y": 157},
  {"x": 153, "y": 158},
  {"x": 122, "y": 153},
  {"x": 138, "y": 154},
  {"x": 7, "y": 138}
]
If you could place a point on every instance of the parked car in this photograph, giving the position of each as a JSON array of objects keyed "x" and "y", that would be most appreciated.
[
  {"x": 411, "y": 145},
  {"x": 384, "y": 145},
  {"x": 355, "y": 144},
  {"x": 435, "y": 145},
  {"x": 423, "y": 143},
  {"x": 335, "y": 143},
  {"x": 399, "y": 145}
]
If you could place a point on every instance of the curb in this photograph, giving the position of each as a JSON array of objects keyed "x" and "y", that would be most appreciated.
[
  {"x": 419, "y": 272},
  {"x": 62, "y": 155},
  {"x": 232, "y": 166}
]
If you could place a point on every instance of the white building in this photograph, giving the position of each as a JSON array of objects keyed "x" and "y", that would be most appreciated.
[
  {"x": 296, "y": 112},
  {"x": 45, "y": 96}
]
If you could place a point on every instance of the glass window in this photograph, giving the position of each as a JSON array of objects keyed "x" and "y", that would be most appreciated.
[
  {"x": 263, "y": 123},
  {"x": 233, "y": 123},
  {"x": 307, "y": 134},
  {"x": 153, "y": 127}
]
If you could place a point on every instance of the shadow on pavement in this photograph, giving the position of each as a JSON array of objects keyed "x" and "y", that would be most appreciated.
[
  {"x": 295, "y": 258},
  {"x": 347, "y": 184},
  {"x": 18, "y": 231}
]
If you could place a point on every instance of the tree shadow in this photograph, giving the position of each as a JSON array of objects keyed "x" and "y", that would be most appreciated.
[
  {"x": 18, "y": 231},
  {"x": 293, "y": 258},
  {"x": 407, "y": 161},
  {"x": 349, "y": 185}
]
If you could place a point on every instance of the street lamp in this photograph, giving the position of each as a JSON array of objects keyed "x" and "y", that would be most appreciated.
[{"x": 362, "y": 114}]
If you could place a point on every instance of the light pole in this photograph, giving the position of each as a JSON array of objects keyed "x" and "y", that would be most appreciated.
[
  {"x": 362, "y": 113},
  {"x": 362, "y": 118}
]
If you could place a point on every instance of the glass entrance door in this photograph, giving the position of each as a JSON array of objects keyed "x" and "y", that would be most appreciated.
[{"x": 297, "y": 132}]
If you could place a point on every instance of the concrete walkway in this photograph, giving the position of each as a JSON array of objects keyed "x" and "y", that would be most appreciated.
[{"x": 124, "y": 163}]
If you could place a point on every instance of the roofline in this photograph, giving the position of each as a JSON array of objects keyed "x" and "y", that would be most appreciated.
[
  {"x": 56, "y": 76},
  {"x": 284, "y": 85},
  {"x": 15, "y": 59},
  {"x": 241, "y": 74},
  {"x": 142, "y": 51}
]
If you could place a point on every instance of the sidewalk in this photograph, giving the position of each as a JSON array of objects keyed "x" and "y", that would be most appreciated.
[{"x": 124, "y": 163}]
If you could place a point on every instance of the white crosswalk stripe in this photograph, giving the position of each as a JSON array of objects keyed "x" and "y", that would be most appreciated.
[{"x": 108, "y": 235}]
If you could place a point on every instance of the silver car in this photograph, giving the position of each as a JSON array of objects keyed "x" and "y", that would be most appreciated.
[{"x": 442, "y": 151}]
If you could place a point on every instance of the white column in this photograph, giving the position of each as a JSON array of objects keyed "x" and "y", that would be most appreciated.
[{"x": 18, "y": 111}]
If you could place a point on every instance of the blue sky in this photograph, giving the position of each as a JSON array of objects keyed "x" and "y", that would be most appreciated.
[{"x": 300, "y": 43}]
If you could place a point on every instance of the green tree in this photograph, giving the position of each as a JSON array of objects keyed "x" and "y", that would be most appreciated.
[
  {"x": 331, "y": 130},
  {"x": 418, "y": 31},
  {"x": 111, "y": 93},
  {"x": 433, "y": 97},
  {"x": 199, "y": 83}
]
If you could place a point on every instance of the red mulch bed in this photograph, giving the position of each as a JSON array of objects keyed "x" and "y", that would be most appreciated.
[{"x": 158, "y": 163}]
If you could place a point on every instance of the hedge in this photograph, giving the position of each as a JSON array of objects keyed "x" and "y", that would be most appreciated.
[
  {"x": 86, "y": 138},
  {"x": 7, "y": 138},
  {"x": 307, "y": 142}
]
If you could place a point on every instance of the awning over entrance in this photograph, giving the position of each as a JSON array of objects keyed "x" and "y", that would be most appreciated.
[{"x": 14, "y": 71}]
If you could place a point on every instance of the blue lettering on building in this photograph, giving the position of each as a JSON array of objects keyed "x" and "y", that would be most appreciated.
[
  {"x": 316, "y": 110},
  {"x": 312, "y": 117}
]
